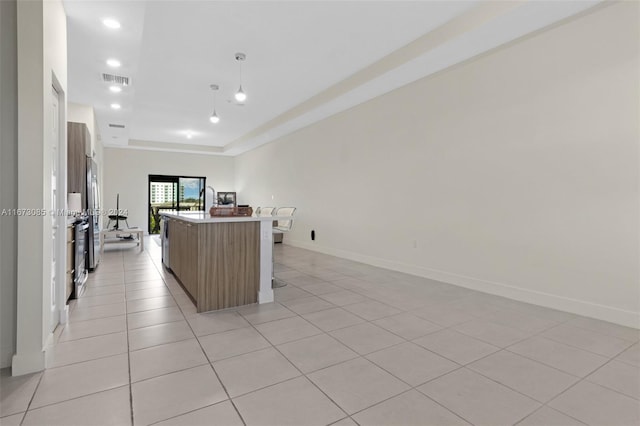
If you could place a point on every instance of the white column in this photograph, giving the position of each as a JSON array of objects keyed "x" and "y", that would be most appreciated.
[
  {"x": 265, "y": 295},
  {"x": 33, "y": 265},
  {"x": 42, "y": 63}
]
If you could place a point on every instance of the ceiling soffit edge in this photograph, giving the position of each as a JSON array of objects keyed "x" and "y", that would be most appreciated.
[{"x": 475, "y": 17}]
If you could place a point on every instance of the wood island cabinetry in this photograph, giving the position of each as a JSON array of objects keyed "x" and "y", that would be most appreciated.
[{"x": 218, "y": 264}]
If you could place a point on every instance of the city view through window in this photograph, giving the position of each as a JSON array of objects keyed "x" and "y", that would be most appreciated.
[{"x": 173, "y": 193}]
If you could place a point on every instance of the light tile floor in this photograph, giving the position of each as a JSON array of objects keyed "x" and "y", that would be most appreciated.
[{"x": 344, "y": 344}]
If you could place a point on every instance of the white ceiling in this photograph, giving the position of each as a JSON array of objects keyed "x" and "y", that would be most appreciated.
[{"x": 306, "y": 60}]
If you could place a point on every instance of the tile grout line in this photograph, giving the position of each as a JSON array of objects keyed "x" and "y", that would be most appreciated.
[
  {"x": 131, "y": 414},
  {"x": 296, "y": 367},
  {"x": 71, "y": 309},
  {"x": 460, "y": 366},
  {"x": 33, "y": 395},
  {"x": 404, "y": 340},
  {"x": 209, "y": 362},
  {"x": 445, "y": 328}
]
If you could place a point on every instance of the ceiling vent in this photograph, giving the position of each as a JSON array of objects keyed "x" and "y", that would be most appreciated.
[
  {"x": 116, "y": 126},
  {"x": 116, "y": 79}
]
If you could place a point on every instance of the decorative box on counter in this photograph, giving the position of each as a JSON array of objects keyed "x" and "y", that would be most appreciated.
[{"x": 231, "y": 211}]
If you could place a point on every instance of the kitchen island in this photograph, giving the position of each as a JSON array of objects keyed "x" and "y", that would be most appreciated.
[{"x": 221, "y": 262}]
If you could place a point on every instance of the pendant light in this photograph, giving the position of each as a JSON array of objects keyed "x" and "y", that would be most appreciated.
[
  {"x": 214, "y": 117},
  {"x": 240, "y": 95}
]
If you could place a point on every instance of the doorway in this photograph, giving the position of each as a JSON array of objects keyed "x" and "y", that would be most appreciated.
[{"x": 182, "y": 193}]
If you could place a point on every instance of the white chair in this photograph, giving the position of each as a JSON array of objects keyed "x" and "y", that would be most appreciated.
[
  {"x": 283, "y": 225},
  {"x": 280, "y": 227},
  {"x": 265, "y": 211}
]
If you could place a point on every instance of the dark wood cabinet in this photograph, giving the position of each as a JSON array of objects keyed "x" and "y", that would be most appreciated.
[
  {"x": 78, "y": 138},
  {"x": 70, "y": 261}
]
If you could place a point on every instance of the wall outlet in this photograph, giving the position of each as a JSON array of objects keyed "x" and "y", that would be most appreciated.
[{"x": 415, "y": 244}]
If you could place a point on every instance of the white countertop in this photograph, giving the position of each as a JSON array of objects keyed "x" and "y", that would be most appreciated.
[{"x": 205, "y": 217}]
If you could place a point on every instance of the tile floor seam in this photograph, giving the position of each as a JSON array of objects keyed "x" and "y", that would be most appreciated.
[
  {"x": 512, "y": 389},
  {"x": 586, "y": 379},
  {"x": 549, "y": 365},
  {"x": 377, "y": 350},
  {"x": 188, "y": 412},
  {"x": 160, "y": 323},
  {"x": 415, "y": 389},
  {"x": 488, "y": 378},
  {"x": 146, "y": 379},
  {"x": 631, "y": 364},
  {"x": 402, "y": 310},
  {"x": 265, "y": 322},
  {"x": 92, "y": 319},
  {"x": 538, "y": 334},
  {"x": 86, "y": 337},
  {"x": 551, "y": 408},
  {"x": 76, "y": 397},
  {"x": 458, "y": 367},
  {"x": 87, "y": 360},
  {"x": 296, "y": 367},
  {"x": 237, "y": 355},
  {"x": 164, "y": 343},
  {"x": 506, "y": 348},
  {"x": 567, "y": 390},
  {"x": 493, "y": 380},
  {"x": 131, "y": 411},
  {"x": 338, "y": 421},
  {"x": 26, "y": 410},
  {"x": 224, "y": 387},
  {"x": 518, "y": 391},
  {"x": 339, "y": 328},
  {"x": 587, "y": 350},
  {"x": 603, "y": 333}
]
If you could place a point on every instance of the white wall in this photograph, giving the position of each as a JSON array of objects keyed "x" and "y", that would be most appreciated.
[
  {"x": 126, "y": 171},
  {"x": 42, "y": 62},
  {"x": 515, "y": 173},
  {"x": 8, "y": 179}
]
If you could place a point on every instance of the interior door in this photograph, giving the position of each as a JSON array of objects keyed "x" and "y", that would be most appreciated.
[{"x": 55, "y": 159}]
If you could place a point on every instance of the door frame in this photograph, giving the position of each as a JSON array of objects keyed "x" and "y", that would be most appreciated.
[{"x": 60, "y": 309}]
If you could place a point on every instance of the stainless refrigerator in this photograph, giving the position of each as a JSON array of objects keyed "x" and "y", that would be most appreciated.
[{"x": 93, "y": 208}]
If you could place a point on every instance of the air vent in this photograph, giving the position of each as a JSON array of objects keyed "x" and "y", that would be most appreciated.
[
  {"x": 116, "y": 79},
  {"x": 117, "y": 126}
]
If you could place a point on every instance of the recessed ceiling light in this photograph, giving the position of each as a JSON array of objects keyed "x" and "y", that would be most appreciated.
[
  {"x": 115, "y": 106},
  {"x": 111, "y": 23},
  {"x": 189, "y": 134},
  {"x": 115, "y": 89},
  {"x": 114, "y": 63}
]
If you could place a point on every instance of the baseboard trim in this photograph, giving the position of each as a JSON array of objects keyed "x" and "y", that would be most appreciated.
[
  {"x": 5, "y": 357},
  {"x": 27, "y": 362},
  {"x": 574, "y": 306}
]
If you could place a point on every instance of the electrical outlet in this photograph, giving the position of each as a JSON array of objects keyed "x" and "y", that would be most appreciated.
[{"x": 415, "y": 244}]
